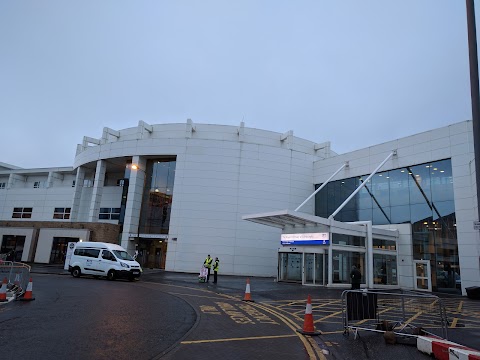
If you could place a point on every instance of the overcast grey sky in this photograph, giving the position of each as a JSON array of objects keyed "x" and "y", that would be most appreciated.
[{"x": 353, "y": 72}]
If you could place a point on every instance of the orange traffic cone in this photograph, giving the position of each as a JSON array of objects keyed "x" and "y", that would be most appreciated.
[
  {"x": 3, "y": 291},
  {"x": 308, "y": 327},
  {"x": 28, "y": 296},
  {"x": 247, "y": 292}
]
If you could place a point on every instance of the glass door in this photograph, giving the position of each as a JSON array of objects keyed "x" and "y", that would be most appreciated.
[
  {"x": 314, "y": 269},
  {"x": 309, "y": 269},
  {"x": 422, "y": 278},
  {"x": 290, "y": 267}
]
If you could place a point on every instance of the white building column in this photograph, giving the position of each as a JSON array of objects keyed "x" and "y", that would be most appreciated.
[
  {"x": 77, "y": 194},
  {"x": 134, "y": 202},
  {"x": 53, "y": 176},
  {"x": 97, "y": 191},
  {"x": 13, "y": 178}
]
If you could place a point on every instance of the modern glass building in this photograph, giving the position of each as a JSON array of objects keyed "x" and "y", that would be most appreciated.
[{"x": 420, "y": 195}]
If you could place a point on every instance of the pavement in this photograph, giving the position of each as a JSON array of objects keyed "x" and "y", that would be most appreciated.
[{"x": 267, "y": 326}]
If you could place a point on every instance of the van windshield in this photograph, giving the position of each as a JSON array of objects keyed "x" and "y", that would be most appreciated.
[{"x": 122, "y": 255}]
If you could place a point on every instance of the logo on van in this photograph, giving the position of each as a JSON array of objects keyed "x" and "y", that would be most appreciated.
[{"x": 72, "y": 245}]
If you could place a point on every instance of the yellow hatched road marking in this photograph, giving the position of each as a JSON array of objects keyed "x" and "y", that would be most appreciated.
[
  {"x": 454, "y": 323},
  {"x": 329, "y": 316},
  {"x": 237, "y": 339},
  {"x": 293, "y": 326}
]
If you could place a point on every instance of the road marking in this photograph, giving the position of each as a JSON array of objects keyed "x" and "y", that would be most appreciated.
[
  {"x": 294, "y": 327},
  {"x": 234, "y": 314},
  {"x": 454, "y": 322},
  {"x": 237, "y": 339}
]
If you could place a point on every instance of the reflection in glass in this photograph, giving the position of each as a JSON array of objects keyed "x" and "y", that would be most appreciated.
[
  {"x": 157, "y": 196},
  {"x": 385, "y": 269},
  {"x": 342, "y": 265},
  {"x": 421, "y": 195}
]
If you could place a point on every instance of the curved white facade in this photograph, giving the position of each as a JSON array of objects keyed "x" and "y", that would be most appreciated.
[{"x": 222, "y": 173}]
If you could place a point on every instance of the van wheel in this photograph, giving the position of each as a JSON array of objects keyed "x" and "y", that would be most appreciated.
[
  {"x": 76, "y": 272},
  {"x": 111, "y": 275}
]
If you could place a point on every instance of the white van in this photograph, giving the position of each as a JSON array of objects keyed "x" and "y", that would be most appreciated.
[{"x": 103, "y": 259}]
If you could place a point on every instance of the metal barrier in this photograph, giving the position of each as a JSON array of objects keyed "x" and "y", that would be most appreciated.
[
  {"x": 404, "y": 313},
  {"x": 17, "y": 275}
]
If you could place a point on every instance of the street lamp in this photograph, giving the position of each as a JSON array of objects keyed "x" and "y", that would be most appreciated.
[
  {"x": 137, "y": 168},
  {"x": 474, "y": 91}
]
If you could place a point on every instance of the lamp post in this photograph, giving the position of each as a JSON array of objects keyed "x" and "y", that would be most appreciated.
[
  {"x": 137, "y": 168},
  {"x": 474, "y": 92}
]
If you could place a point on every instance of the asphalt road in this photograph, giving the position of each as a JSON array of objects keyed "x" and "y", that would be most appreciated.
[
  {"x": 173, "y": 316},
  {"x": 88, "y": 318}
]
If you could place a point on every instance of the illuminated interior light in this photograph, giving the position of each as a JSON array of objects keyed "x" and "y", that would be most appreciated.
[
  {"x": 435, "y": 169},
  {"x": 380, "y": 175},
  {"x": 402, "y": 170},
  {"x": 425, "y": 222},
  {"x": 442, "y": 171}
]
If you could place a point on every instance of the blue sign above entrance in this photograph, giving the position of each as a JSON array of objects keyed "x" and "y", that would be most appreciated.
[{"x": 305, "y": 239}]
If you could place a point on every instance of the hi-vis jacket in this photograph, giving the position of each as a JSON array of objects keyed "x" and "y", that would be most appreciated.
[
  {"x": 216, "y": 265},
  {"x": 208, "y": 262}
]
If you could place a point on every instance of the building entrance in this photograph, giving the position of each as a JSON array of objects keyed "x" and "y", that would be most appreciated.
[
  {"x": 152, "y": 253},
  {"x": 316, "y": 268},
  {"x": 13, "y": 246},
  {"x": 305, "y": 268}
]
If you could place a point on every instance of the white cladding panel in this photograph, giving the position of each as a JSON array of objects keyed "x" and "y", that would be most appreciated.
[{"x": 215, "y": 185}]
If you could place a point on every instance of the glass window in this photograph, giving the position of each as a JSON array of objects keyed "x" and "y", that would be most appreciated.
[
  {"x": 342, "y": 239},
  {"x": 93, "y": 253},
  {"x": 400, "y": 214},
  {"x": 399, "y": 193},
  {"x": 22, "y": 213},
  {"x": 381, "y": 215},
  {"x": 364, "y": 198},
  {"x": 3, "y": 185},
  {"x": 61, "y": 213},
  {"x": 342, "y": 265},
  {"x": 442, "y": 181},
  {"x": 385, "y": 269},
  {"x": 158, "y": 196},
  {"x": 109, "y": 214},
  {"x": 419, "y": 184},
  {"x": 380, "y": 189},
  {"x": 384, "y": 244},
  {"x": 421, "y": 195}
]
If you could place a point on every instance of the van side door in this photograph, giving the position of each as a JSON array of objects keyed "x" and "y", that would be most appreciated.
[{"x": 107, "y": 261}]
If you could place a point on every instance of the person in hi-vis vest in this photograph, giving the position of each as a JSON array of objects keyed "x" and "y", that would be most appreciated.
[
  {"x": 208, "y": 264},
  {"x": 216, "y": 265}
]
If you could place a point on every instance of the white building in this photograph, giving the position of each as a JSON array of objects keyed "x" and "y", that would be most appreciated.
[{"x": 177, "y": 192}]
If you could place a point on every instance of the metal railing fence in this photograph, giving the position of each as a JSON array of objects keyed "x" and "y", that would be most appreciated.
[
  {"x": 404, "y": 313},
  {"x": 17, "y": 275}
]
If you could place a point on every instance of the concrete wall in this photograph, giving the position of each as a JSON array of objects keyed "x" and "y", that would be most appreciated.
[{"x": 45, "y": 241}]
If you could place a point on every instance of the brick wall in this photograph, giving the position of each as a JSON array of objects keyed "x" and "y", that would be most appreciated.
[{"x": 98, "y": 231}]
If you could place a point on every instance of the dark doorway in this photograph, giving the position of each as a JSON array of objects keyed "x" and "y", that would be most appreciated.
[
  {"x": 13, "y": 245},
  {"x": 152, "y": 253},
  {"x": 59, "y": 249}
]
